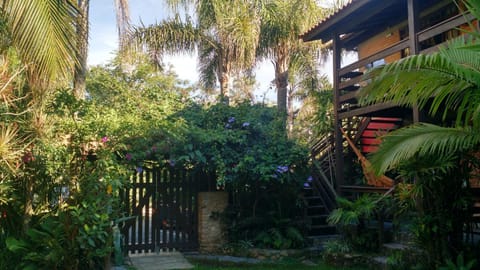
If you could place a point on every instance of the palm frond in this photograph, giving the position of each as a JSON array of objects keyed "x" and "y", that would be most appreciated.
[
  {"x": 208, "y": 62},
  {"x": 42, "y": 31},
  {"x": 237, "y": 30},
  {"x": 473, "y": 7},
  {"x": 10, "y": 147},
  {"x": 422, "y": 140},
  {"x": 169, "y": 36}
]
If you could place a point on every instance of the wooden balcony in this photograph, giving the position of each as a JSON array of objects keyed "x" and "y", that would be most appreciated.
[{"x": 351, "y": 77}]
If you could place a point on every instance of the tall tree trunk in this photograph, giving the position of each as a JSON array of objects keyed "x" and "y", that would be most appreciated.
[
  {"x": 123, "y": 22},
  {"x": 224, "y": 78},
  {"x": 290, "y": 111},
  {"x": 281, "y": 83},
  {"x": 28, "y": 207},
  {"x": 80, "y": 73},
  {"x": 224, "y": 87}
]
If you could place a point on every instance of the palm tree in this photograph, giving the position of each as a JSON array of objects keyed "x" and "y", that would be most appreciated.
[
  {"x": 282, "y": 23},
  {"x": 82, "y": 31},
  {"x": 41, "y": 31},
  {"x": 224, "y": 33}
]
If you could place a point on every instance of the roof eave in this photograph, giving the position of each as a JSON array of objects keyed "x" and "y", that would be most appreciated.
[{"x": 324, "y": 30}]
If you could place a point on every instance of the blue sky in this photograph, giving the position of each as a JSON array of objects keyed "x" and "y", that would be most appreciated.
[{"x": 103, "y": 40}]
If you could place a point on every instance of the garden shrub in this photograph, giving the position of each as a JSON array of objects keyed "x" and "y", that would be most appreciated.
[
  {"x": 353, "y": 219},
  {"x": 58, "y": 207},
  {"x": 247, "y": 148}
]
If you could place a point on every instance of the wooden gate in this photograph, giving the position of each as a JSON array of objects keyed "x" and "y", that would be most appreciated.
[{"x": 163, "y": 203}]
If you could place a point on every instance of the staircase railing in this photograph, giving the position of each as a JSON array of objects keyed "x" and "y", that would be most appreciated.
[
  {"x": 322, "y": 153},
  {"x": 323, "y": 182}
]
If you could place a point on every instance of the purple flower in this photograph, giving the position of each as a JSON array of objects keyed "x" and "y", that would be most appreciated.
[
  {"x": 310, "y": 179},
  {"x": 245, "y": 124},
  {"x": 228, "y": 126},
  {"x": 128, "y": 156},
  {"x": 139, "y": 169},
  {"x": 282, "y": 169},
  {"x": 105, "y": 139},
  {"x": 171, "y": 162},
  {"x": 231, "y": 119},
  {"x": 306, "y": 185}
]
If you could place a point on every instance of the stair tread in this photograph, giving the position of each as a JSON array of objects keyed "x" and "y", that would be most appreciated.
[
  {"x": 349, "y": 88},
  {"x": 323, "y": 237},
  {"x": 313, "y": 197},
  {"x": 351, "y": 74},
  {"x": 321, "y": 226},
  {"x": 395, "y": 246},
  {"x": 316, "y": 206},
  {"x": 318, "y": 216}
]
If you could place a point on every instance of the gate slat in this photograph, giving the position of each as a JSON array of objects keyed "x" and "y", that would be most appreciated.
[
  {"x": 178, "y": 208},
  {"x": 189, "y": 206},
  {"x": 158, "y": 194},
  {"x": 142, "y": 209},
  {"x": 148, "y": 207},
  {"x": 171, "y": 181},
  {"x": 176, "y": 213},
  {"x": 164, "y": 215},
  {"x": 134, "y": 203},
  {"x": 155, "y": 199}
]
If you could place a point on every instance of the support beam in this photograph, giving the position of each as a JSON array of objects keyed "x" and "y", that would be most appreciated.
[
  {"x": 413, "y": 29},
  {"x": 339, "y": 175}
]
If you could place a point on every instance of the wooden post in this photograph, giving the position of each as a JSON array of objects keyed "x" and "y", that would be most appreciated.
[
  {"x": 339, "y": 164},
  {"x": 413, "y": 28}
]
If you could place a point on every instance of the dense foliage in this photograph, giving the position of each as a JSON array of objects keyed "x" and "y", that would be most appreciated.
[
  {"x": 436, "y": 161},
  {"x": 68, "y": 159},
  {"x": 64, "y": 160},
  {"x": 247, "y": 148}
]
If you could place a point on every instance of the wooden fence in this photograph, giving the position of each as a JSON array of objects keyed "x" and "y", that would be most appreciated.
[{"x": 163, "y": 202}]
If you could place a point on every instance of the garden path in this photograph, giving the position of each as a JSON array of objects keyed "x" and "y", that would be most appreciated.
[{"x": 160, "y": 261}]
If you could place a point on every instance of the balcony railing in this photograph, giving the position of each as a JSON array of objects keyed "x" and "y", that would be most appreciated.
[{"x": 352, "y": 78}]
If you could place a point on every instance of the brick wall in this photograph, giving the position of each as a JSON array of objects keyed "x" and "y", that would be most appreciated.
[{"x": 211, "y": 235}]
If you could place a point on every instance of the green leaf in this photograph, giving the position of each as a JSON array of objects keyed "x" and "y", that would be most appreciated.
[
  {"x": 91, "y": 242},
  {"x": 15, "y": 245}
]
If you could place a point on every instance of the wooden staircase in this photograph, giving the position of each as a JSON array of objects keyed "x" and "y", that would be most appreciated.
[
  {"x": 319, "y": 191},
  {"x": 476, "y": 206},
  {"x": 377, "y": 127}
]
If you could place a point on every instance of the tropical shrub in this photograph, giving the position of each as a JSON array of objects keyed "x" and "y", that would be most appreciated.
[
  {"x": 61, "y": 181},
  {"x": 356, "y": 219},
  {"x": 247, "y": 148},
  {"x": 438, "y": 159}
]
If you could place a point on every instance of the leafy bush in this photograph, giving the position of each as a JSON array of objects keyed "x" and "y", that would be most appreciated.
[
  {"x": 248, "y": 150},
  {"x": 353, "y": 217},
  {"x": 460, "y": 264}
]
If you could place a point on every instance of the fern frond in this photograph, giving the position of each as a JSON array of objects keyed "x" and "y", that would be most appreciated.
[{"x": 422, "y": 140}]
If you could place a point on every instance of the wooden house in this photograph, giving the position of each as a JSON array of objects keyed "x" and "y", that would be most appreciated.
[{"x": 376, "y": 32}]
